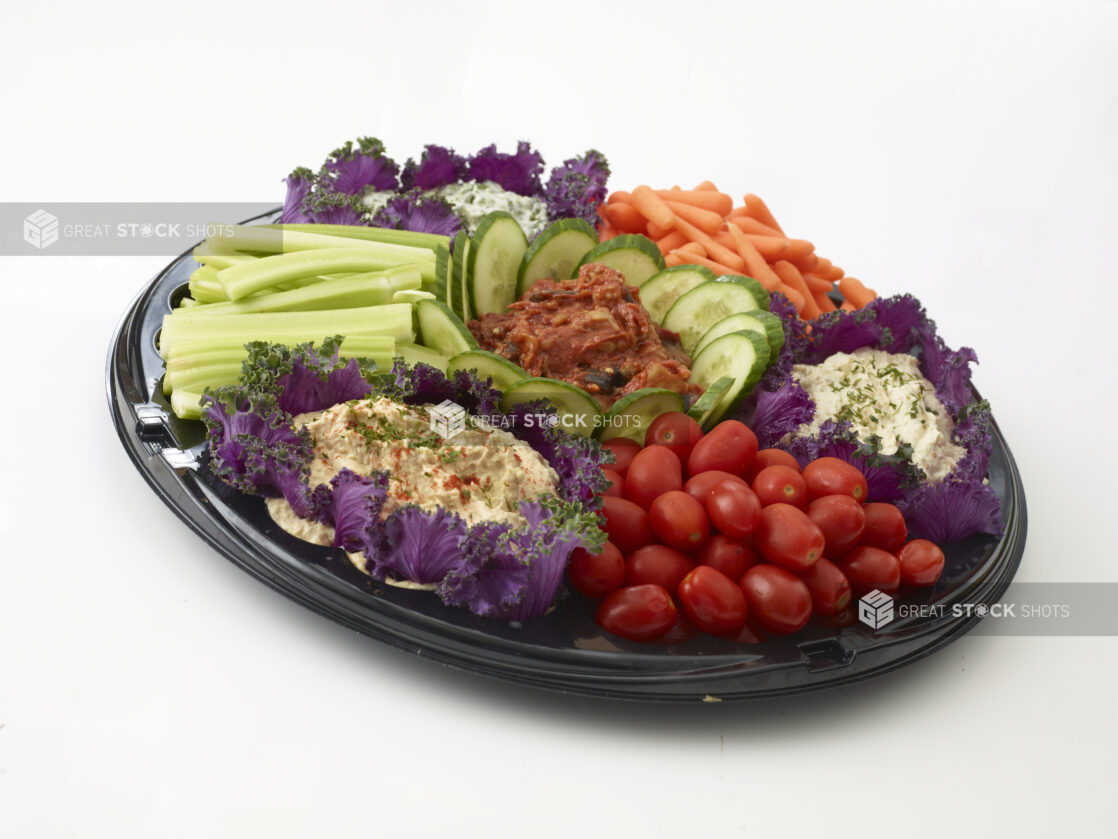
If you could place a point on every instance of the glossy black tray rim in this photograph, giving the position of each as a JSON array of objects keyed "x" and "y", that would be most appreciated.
[{"x": 563, "y": 651}]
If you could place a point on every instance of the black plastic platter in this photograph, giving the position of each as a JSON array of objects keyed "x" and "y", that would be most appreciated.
[{"x": 564, "y": 650}]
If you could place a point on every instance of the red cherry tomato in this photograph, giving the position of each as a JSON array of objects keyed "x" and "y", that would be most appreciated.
[
  {"x": 657, "y": 564},
  {"x": 788, "y": 537},
  {"x": 675, "y": 430},
  {"x": 617, "y": 483},
  {"x": 680, "y": 631},
  {"x": 869, "y": 568},
  {"x": 921, "y": 562},
  {"x": 729, "y": 446},
  {"x": 654, "y": 471},
  {"x": 830, "y": 590},
  {"x": 713, "y": 602},
  {"x": 771, "y": 457},
  {"x": 831, "y": 476},
  {"x": 842, "y": 521},
  {"x": 624, "y": 451},
  {"x": 733, "y": 508},
  {"x": 698, "y": 486},
  {"x": 679, "y": 520},
  {"x": 626, "y": 524},
  {"x": 780, "y": 484},
  {"x": 596, "y": 575},
  {"x": 778, "y": 599},
  {"x": 730, "y": 556},
  {"x": 639, "y": 613},
  {"x": 885, "y": 527}
]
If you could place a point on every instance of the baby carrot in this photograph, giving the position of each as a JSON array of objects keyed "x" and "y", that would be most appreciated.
[
  {"x": 790, "y": 276},
  {"x": 705, "y": 220},
  {"x": 758, "y": 210},
  {"x": 825, "y": 303},
  {"x": 716, "y": 202},
  {"x": 771, "y": 248},
  {"x": 620, "y": 196},
  {"x": 799, "y": 248},
  {"x": 693, "y": 247},
  {"x": 855, "y": 293},
  {"x": 816, "y": 283},
  {"x": 694, "y": 259},
  {"x": 794, "y": 297},
  {"x": 714, "y": 250},
  {"x": 607, "y": 231},
  {"x": 652, "y": 207},
  {"x": 755, "y": 264},
  {"x": 706, "y": 186},
  {"x": 809, "y": 262},
  {"x": 670, "y": 242},
  {"x": 751, "y": 225},
  {"x": 655, "y": 231},
  {"x": 624, "y": 217},
  {"x": 672, "y": 259}
]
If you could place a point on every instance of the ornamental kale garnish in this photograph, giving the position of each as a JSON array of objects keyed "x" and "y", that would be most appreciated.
[
  {"x": 958, "y": 506},
  {"x": 494, "y": 569}
]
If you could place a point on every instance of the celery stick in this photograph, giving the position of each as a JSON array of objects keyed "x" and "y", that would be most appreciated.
[
  {"x": 187, "y": 404},
  {"x": 411, "y": 295},
  {"x": 217, "y": 261},
  {"x": 220, "y": 350},
  {"x": 372, "y": 289},
  {"x": 237, "y": 237},
  {"x": 199, "y": 378},
  {"x": 376, "y": 234},
  {"x": 240, "y": 281},
  {"x": 393, "y": 319},
  {"x": 415, "y": 354},
  {"x": 205, "y": 286}
]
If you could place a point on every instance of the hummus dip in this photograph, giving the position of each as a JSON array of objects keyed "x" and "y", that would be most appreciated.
[
  {"x": 882, "y": 394},
  {"x": 480, "y": 473}
]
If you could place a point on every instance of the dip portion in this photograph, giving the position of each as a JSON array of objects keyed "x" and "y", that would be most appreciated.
[
  {"x": 882, "y": 394},
  {"x": 480, "y": 473},
  {"x": 592, "y": 332}
]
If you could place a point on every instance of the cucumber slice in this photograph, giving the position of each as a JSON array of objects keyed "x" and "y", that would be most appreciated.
[
  {"x": 578, "y": 410},
  {"x": 635, "y": 256},
  {"x": 760, "y": 294},
  {"x": 631, "y": 415},
  {"x": 556, "y": 252},
  {"x": 664, "y": 288},
  {"x": 764, "y": 323},
  {"x": 442, "y": 274},
  {"x": 494, "y": 262},
  {"x": 742, "y": 356},
  {"x": 458, "y": 295},
  {"x": 703, "y": 306},
  {"x": 415, "y": 354},
  {"x": 704, "y": 406},
  {"x": 488, "y": 366},
  {"x": 441, "y": 330}
]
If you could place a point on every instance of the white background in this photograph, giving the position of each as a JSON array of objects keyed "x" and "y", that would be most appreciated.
[{"x": 965, "y": 152}]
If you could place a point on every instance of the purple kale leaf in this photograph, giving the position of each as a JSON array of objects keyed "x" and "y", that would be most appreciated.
[
  {"x": 350, "y": 170},
  {"x": 519, "y": 172},
  {"x": 438, "y": 166},
  {"x": 577, "y": 188},
  {"x": 418, "y": 212},
  {"x": 298, "y": 185}
]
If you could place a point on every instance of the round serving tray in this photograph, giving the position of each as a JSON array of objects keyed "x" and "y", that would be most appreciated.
[{"x": 564, "y": 650}]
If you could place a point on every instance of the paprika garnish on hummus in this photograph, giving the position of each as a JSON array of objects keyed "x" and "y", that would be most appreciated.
[{"x": 592, "y": 332}]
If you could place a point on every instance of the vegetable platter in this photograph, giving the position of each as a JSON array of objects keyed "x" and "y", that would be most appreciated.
[{"x": 725, "y": 303}]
